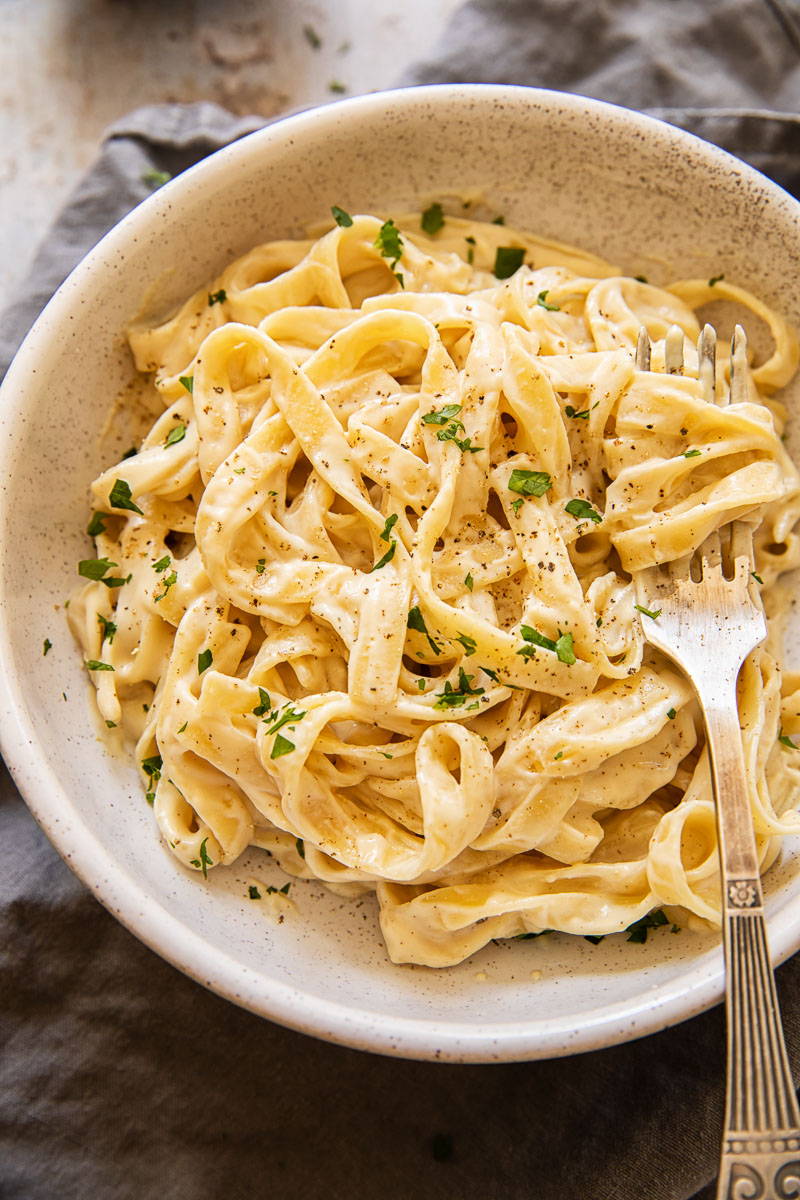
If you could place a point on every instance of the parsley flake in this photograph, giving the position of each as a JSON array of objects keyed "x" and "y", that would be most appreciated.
[
  {"x": 342, "y": 218},
  {"x": 469, "y": 582},
  {"x": 111, "y": 724},
  {"x": 162, "y": 564},
  {"x": 183, "y": 727},
  {"x": 638, "y": 930},
  {"x": 188, "y": 383},
  {"x": 108, "y": 627},
  {"x": 299, "y": 846},
  {"x": 281, "y": 746},
  {"x": 261, "y": 566},
  {"x": 217, "y": 297},
  {"x": 517, "y": 505},
  {"x": 715, "y": 279},
  {"x": 94, "y": 665},
  {"x": 204, "y": 661},
  {"x": 469, "y": 644},
  {"x": 470, "y": 250},
  {"x": 253, "y": 892},
  {"x": 507, "y": 260},
  {"x": 541, "y": 300},
  {"x": 786, "y": 740},
  {"x": 582, "y": 510},
  {"x": 499, "y": 221},
  {"x": 46, "y": 645},
  {"x": 120, "y": 497},
  {"x": 337, "y": 87},
  {"x": 529, "y": 483},
  {"x": 312, "y": 37},
  {"x": 654, "y": 615},
  {"x": 432, "y": 219},
  {"x": 443, "y": 415},
  {"x": 264, "y": 705},
  {"x": 156, "y": 179},
  {"x": 671, "y": 714},
  {"x": 94, "y": 568},
  {"x": 175, "y": 435},
  {"x": 416, "y": 621},
  {"x": 691, "y": 453},
  {"x": 288, "y": 716},
  {"x": 454, "y": 698},
  {"x": 389, "y": 242},
  {"x": 203, "y": 862},
  {"x": 757, "y": 577},
  {"x": 168, "y": 582},
  {"x": 388, "y": 556},
  {"x": 583, "y": 415},
  {"x": 388, "y": 527},
  {"x": 562, "y": 646},
  {"x": 97, "y": 524}
]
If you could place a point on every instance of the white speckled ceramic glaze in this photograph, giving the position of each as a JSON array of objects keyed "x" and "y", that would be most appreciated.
[{"x": 648, "y": 196}]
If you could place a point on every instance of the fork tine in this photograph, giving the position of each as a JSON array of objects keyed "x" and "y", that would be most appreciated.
[
  {"x": 673, "y": 351},
  {"x": 643, "y": 350},
  {"x": 706, "y": 363},
  {"x": 711, "y": 553},
  {"x": 738, "y": 366},
  {"x": 742, "y": 548}
]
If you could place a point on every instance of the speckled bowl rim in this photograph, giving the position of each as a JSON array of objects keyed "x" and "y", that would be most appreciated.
[{"x": 699, "y": 987}]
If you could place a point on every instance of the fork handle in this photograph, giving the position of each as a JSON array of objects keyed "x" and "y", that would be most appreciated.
[{"x": 761, "y": 1146}]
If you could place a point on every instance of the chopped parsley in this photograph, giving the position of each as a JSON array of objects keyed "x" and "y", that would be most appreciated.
[
  {"x": 640, "y": 278},
  {"x": 691, "y": 453},
  {"x": 653, "y": 615},
  {"x": 469, "y": 644},
  {"x": 239, "y": 470},
  {"x": 388, "y": 556},
  {"x": 499, "y": 221},
  {"x": 638, "y": 930},
  {"x": 583, "y": 415},
  {"x": 203, "y": 862},
  {"x": 715, "y": 279},
  {"x": 176, "y": 434},
  {"x": 301, "y": 850},
  {"x": 441, "y": 416},
  {"x": 416, "y": 621},
  {"x": 493, "y": 675},
  {"x": 671, "y": 714},
  {"x": 183, "y": 727},
  {"x": 470, "y": 250},
  {"x": 288, "y": 716},
  {"x": 517, "y": 505},
  {"x": 786, "y": 740},
  {"x": 541, "y": 300},
  {"x": 97, "y": 524},
  {"x": 342, "y": 218},
  {"x": 387, "y": 529},
  {"x": 756, "y": 576},
  {"x": 130, "y": 453},
  {"x": 582, "y": 510},
  {"x": 204, "y": 661},
  {"x": 94, "y": 665},
  {"x": 450, "y": 434},
  {"x": 281, "y": 746},
  {"x": 156, "y": 179},
  {"x": 152, "y": 768},
  {"x": 217, "y": 297},
  {"x": 596, "y": 938},
  {"x": 94, "y": 568},
  {"x": 507, "y": 260},
  {"x": 454, "y": 698},
  {"x": 421, "y": 684},
  {"x": 46, "y": 645},
  {"x": 559, "y": 755},
  {"x": 108, "y": 627},
  {"x": 261, "y": 566},
  {"x": 253, "y": 892},
  {"x": 111, "y": 724},
  {"x": 162, "y": 564},
  {"x": 432, "y": 219},
  {"x": 120, "y": 497},
  {"x": 390, "y": 245},
  {"x": 312, "y": 37},
  {"x": 529, "y": 483},
  {"x": 264, "y": 705},
  {"x": 562, "y": 646},
  {"x": 469, "y": 582},
  {"x": 337, "y": 87},
  {"x": 168, "y": 582},
  {"x": 188, "y": 383}
]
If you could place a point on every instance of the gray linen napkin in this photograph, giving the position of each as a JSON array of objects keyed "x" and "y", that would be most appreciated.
[{"x": 120, "y": 1078}]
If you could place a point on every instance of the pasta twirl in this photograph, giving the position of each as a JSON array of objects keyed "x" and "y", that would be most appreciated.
[{"x": 365, "y": 594}]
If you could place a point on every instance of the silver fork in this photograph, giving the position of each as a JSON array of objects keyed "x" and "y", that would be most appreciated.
[{"x": 708, "y": 621}]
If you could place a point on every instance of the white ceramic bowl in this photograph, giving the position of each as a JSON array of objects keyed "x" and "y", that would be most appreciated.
[{"x": 644, "y": 194}]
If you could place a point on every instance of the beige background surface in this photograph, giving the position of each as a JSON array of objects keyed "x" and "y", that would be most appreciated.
[{"x": 68, "y": 68}]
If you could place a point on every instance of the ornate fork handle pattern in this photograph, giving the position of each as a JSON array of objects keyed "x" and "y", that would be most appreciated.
[{"x": 761, "y": 1146}]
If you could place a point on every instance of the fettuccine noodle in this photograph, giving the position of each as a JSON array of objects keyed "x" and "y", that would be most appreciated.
[{"x": 365, "y": 595}]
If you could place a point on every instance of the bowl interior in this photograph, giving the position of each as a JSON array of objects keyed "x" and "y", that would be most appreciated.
[{"x": 651, "y": 198}]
